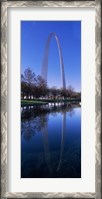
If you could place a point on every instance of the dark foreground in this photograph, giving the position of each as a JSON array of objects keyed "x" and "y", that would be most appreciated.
[{"x": 51, "y": 141}]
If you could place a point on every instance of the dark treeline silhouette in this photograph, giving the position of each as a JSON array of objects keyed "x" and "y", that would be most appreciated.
[{"x": 33, "y": 86}]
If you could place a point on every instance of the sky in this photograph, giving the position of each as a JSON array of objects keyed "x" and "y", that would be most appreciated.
[{"x": 34, "y": 35}]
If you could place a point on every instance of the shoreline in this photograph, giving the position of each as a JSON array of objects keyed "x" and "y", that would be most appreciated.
[{"x": 47, "y": 101}]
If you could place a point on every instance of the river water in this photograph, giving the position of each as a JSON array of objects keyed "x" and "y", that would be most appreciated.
[{"x": 51, "y": 141}]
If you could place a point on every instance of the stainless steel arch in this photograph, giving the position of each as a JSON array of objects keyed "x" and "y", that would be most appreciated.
[{"x": 45, "y": 59}]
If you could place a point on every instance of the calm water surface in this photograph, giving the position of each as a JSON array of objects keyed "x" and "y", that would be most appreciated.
[{"x": 51, "y": 141}]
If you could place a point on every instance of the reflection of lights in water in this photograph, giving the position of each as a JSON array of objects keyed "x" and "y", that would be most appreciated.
[
  {"x": 46, "y": 144},
  {"x": 56, "y": 104}
]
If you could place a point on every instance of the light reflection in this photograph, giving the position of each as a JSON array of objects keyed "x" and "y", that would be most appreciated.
[{"x": 46, "y": 144}]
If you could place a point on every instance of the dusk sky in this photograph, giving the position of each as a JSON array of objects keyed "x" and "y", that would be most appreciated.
[{"x": 33, "y": 40}]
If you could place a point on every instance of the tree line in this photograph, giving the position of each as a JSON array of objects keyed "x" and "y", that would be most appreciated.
[{"x": 33, "y": 86}]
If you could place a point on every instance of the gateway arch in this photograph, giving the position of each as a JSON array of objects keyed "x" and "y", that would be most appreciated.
[{"x": 45, "y": 59}]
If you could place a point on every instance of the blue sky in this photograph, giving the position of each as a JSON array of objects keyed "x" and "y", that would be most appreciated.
[{"x": 33, "y": 40}]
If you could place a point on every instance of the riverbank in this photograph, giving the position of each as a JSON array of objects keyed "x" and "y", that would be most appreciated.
[
  {"x": 32, "y": 102},
  {"x": 46, "y": 101}
]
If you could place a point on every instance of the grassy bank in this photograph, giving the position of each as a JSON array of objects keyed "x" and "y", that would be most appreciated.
[
  {"x": 46, "y": 101},
  {"x": 32, "y": 102}
]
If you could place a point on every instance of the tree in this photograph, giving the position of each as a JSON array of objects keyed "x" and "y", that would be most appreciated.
[
  {"x": 64, "y": 92},
  {"x": 23, "y": 90},
  {"x": 77, "y": 95},
  {"x": 29, "y": 79},
  {"x": 41, "y": 87},
  {"x": 53, "y": 92},
  {"x": 70, "y": 91},
  {"x": 29, "y": 76}
]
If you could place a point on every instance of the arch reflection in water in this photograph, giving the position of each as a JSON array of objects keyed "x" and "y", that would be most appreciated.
[
  {"x": 46, "y": 144},
  {"x": 51, "y": 142}
]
